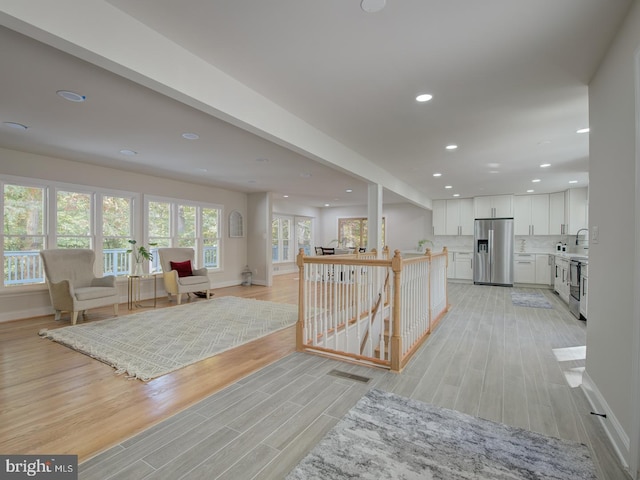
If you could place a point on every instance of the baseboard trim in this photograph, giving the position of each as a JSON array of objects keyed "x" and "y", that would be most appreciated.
[{"x": 618, "y": 437}]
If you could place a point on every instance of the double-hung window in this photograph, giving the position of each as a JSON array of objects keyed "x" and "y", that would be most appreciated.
[
  {"x": 176, "y": 223},
  {"x": 353, "y": 232},
  {"x": 24, "y": 233}
]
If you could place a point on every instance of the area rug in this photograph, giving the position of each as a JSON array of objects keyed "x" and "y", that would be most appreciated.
[
  {"x": 385, "y": 436},
  {"x": 535, "y": 300},
  {"x": 152, "y": 343}
]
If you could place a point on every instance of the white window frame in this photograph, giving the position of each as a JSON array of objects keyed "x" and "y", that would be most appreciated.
[{"x": 173, "y": 226}]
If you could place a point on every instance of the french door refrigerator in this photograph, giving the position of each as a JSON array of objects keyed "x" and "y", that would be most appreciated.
[{"x": 493, "y": 251}]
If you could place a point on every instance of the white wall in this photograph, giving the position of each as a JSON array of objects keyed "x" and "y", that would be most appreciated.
[
  {"x": 609, "y": 378},
  {"x": 259, "y": 238},
  {"x": 405, "y": 224},
  {"x": 21, "y": 302}
]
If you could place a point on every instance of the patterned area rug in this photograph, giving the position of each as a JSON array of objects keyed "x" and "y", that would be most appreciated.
[
  {"x": 152, "y": 343},
  {"x": 385, "y": 436},
  {"x": 535, "y": 300}
]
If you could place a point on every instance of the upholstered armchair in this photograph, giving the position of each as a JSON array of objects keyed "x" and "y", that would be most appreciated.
[
  {"x": 73, "y": 287},
  {"x": 179, "y": 275}
]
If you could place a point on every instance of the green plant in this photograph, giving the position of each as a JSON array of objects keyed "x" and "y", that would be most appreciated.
[
  {"x": 422, "y": 242},
  {"x": 140, "y": 252}
]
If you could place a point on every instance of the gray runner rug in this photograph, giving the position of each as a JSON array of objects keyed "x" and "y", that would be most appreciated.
[
  {"x": 385, "y": 436},
  {"x": 535, "y": 300}
]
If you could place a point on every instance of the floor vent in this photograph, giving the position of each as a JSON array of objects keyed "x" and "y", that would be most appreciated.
[{"x": 350, "y": 376}]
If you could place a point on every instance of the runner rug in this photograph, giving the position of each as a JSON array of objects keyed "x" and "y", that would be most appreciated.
[
  {"x": 385, "y": 436},
  {"x": 535, "y": 300},
  {"x": 152, "y": 343}
]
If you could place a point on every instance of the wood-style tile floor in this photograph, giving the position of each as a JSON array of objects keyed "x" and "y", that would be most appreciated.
[
  {"x": 255, "y": 412},
  {"x": 487, "y": 358}
]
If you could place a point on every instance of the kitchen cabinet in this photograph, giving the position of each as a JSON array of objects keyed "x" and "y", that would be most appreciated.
[
  {"x": 584, "y": 280},
  {"x": 531, "y": 214},
  {"x": 459, "y": 217},
  {"x": 524, "y": 268},
  {"x": 439, "y": 214},
  {"x": 557, "y": 225},
  {"x": 576, "y": 208},
  {"x": 561, "y": 282},
  {"x": 453, "y": 217},
  {"x": 493, "y": 206},
  {"x": 460, "y": 265},
  {"x": 543, "y": 269}
]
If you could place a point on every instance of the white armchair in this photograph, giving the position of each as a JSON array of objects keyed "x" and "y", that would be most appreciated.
[
  {"x": 175, "y": 284},
  {"x": 73, "y": 287}
]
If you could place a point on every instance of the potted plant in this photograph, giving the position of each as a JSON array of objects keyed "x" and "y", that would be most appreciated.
[
  {"x": 421, "y": 244},
  {"x": 139, "y": 254}
]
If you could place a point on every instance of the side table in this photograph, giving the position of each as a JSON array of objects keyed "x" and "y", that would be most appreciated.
[{"x": 133, "y": 290}]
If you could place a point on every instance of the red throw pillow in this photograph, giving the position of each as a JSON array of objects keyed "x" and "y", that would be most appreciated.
[{"x": 183, "y": 268}]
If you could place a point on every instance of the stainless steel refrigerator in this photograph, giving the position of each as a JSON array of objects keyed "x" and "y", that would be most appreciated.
[{"x": 493, "y": 251}]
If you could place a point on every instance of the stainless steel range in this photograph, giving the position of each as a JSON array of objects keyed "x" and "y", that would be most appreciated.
[{"x": 575, "y": 290}]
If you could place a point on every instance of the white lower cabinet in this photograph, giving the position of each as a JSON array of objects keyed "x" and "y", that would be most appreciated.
[
  {"x": 531, "y": 268},
  {"x": 524, "y": 268},
  {"x": 561, "y": 283},
  {"x": 460, "y": 265},
  {"x": 543, "y": 269}
]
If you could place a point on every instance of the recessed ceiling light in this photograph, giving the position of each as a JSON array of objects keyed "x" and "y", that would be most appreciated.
[
  {"x": 545, "y": 165},
  {"x": 448, "y": 186},
  {"x": 583, "y": 130},
  {"x": 17, "y": 126},
  {"x": 573, "y": 181},
  {"x": 285, "y": 196},
  {"x": 530, "y": 191},
  {"x": 349, "y": 190},
  {"x": 128, "y": 152},
  {"x": 493, "y": 165},
  {"x": 535, "y": 180},
  {"x": 372, "y": 6},
  {"x": 451, "y": 147},
  {"x": 456, "y": 194},
  {"x": 424, "y": 97},
  {"x": 190, "y": 136},
  {"x": 71, "y": 96},
  {"x": 327, "y": 205},
  {"x": 305, "y": 175},
  {"x": 437, "y": 174}
]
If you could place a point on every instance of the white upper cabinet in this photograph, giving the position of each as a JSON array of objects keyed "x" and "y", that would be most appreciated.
[
  {"x": 557, "y": 224},
  {"x": 496, "y": 206},
  {"x": 576, "y": 201},
  {"x": 453, "y": 217},
  {"x": 531, "y": 214},
  {"x": 439, "y": 217},
  {"x": 459, "y": 217}
]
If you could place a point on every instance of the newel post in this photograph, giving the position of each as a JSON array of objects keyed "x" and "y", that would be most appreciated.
[
  {"x": 396, "y": 338},
  {"x": 301, "y": 305}
]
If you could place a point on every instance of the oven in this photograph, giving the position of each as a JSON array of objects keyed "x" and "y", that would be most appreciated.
[{"x": 574, "y": 287}]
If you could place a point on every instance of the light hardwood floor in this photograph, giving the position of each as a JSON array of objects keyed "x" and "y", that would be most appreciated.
[{"x": 486, "y": 358}]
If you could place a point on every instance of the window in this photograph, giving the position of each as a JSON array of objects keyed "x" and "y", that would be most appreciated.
[
  {"x": 24, "y": 233},
  {"x": 74, "y": 219},
  {"x": 303, "y": 235},
  {"x": 281, "y": 239},
  {"x": 117, "y": 230},
  {"x": 353, "y": 232},
  {"x": 211, "y": 236},
  {"x": 180, "y": 224}
]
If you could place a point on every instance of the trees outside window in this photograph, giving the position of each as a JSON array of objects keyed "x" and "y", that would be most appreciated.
[
  {"x": 281, "y": 239},
  {"x": 24, "y": 225},
  {"x": 353, "y": 232},
  {"x": 304, "y": 234},
  {"x": 74, "y": 220},
  {"x": 117, "y": 230}
]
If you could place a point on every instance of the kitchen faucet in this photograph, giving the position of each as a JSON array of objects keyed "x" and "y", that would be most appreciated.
[{"x": 581, "y": 230}]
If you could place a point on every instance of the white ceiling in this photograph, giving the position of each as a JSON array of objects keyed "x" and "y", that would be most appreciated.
[{"x": 508, "y": 78}]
